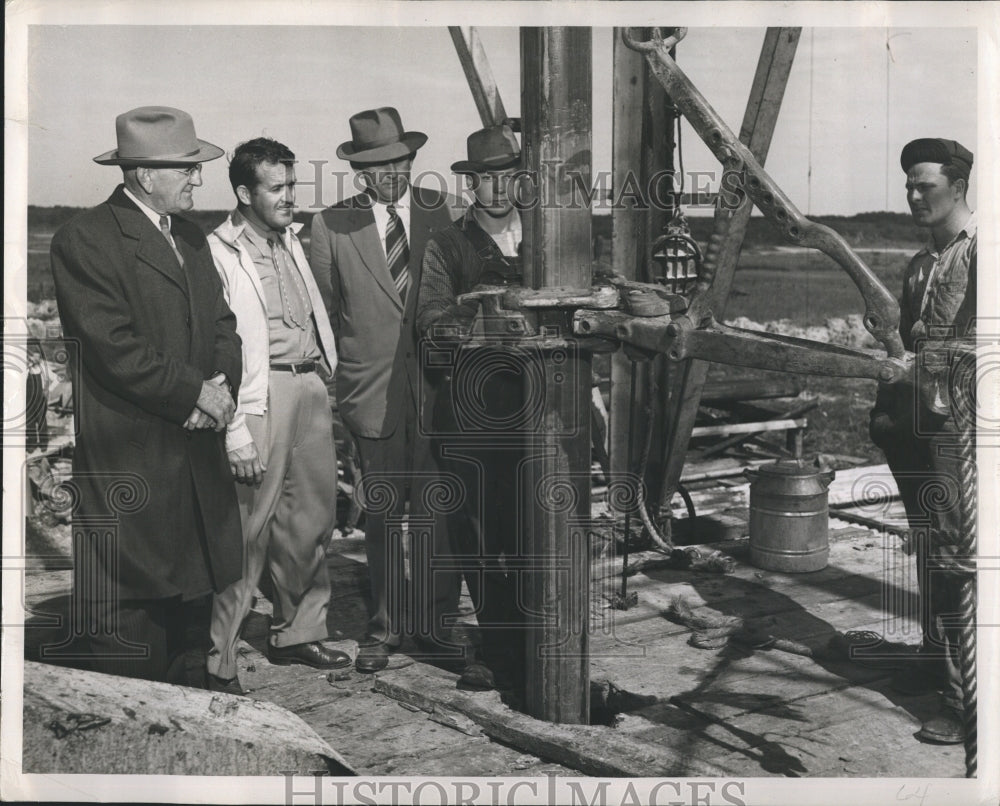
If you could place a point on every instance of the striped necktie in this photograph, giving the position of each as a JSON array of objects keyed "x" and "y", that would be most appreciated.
[
  {"x": 165, "y": 229},
  {"x": 397, "y": 253}
]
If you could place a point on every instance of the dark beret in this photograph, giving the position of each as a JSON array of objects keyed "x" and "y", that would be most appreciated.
[{"x": 936, "y": 149}]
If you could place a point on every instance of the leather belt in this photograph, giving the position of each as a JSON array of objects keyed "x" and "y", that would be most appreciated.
[{"x": 296, "y": 369}]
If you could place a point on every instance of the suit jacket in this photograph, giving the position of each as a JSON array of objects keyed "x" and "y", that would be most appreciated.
[
  {"x": 148, "y": 331},
  {"x": 377, "y": 370}
]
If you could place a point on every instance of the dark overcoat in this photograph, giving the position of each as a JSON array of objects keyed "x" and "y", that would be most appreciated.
[{"x": 156, "y": 514}]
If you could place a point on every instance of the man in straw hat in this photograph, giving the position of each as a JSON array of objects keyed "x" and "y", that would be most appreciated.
[
  {"x": 365, "y": 254},
  {"x": 916, "y": 425},
  {"x": 156, "y": 526},
  {"x": 478, "y": 419}
]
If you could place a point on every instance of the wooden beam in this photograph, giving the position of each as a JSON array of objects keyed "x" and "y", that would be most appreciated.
[
  {"x": 593, "y": 750},
  {"x": 479, "y": 74},
  {"x": 747, "y": 428},
  {"x": 642, "y": 146}
]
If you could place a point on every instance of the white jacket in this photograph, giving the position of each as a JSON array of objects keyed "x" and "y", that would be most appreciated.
[{"x": 245, "y": 296}]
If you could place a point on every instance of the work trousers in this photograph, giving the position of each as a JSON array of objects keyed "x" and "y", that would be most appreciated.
[
  {"x": 478, "y": 433},
  {"x": 924, "y": 460},
  {"x": 395, "y": 470},
  {"x": 287, "y": 521}
]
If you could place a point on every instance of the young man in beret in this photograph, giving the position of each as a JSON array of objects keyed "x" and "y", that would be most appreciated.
[{"x": 915, "y": 425}]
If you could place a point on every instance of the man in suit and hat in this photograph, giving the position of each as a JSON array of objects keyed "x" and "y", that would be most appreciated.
[
  {"x": 477, "y": 421},
  {"x": 156, "y": 525},
  {"x": 280, "y": 442},
  {"x": 365, "y": 254},
  {"x": 915, "y": 424}
]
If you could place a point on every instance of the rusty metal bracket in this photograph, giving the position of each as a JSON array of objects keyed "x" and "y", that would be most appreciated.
[{"x": 881, "y": 316}]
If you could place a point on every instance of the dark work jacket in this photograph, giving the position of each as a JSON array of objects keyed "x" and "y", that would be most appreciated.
[
  {"x": 156, "y": 504},
  {"x": 457, "y": 259}
]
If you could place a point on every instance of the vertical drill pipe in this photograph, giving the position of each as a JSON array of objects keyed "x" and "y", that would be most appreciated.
[
  {"x": 773, "y": 68},
  {"x": 555, "y": 493}
]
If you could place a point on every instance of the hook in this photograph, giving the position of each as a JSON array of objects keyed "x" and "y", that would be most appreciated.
[{"x": 657, "y": 43}]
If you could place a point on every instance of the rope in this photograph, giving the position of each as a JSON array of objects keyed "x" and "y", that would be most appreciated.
[{"x": 963, "y": 408}]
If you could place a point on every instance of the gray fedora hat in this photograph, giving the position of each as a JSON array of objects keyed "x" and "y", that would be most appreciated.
[
  {"x": 491, "y": 149},
  {"x": 377, "y": 136},
  {"x": 157, "y": 135}
]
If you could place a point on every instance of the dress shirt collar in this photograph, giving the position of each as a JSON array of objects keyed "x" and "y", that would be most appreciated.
[
  {"x": 381, "y": 212},
  {"x": 150, "y": 213}
]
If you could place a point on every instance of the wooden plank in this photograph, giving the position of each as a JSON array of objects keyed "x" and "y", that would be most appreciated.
[
  {"x": 739, "y": 389},
  {"x": 478, "y": 74},
  {"x": 97, "y": 724},
  {"x": 717, "y": 469},
  {"x": 859, "y": 732},
  {"x": 593, "y": 750},
  {"x": 748, "y": 428},
  {"x": 854, "y": 572}
]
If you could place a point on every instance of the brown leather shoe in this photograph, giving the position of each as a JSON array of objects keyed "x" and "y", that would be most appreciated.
[
  {"x": 945, "y": 728},
  {"x": 372, "y": 658},
  {"x": 311, "y": 654},
  {"x": 231, "y": 686}
]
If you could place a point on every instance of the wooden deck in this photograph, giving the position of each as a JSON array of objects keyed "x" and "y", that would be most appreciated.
[{"x": 670, "y": 708}]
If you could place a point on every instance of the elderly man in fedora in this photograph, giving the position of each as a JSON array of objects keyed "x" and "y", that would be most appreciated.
[
  {"x": 365, "y": 253},
  {"x": 156, "y": 526},
  {"x": 479, "y": 402}
]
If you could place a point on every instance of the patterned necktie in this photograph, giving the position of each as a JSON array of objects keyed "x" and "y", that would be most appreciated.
[
  {"x": 290, "y": 287},
  {"x": 165, "y": 229},
  {"x": 397, "y": 253}
]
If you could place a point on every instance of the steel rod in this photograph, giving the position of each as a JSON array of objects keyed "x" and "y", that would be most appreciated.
[{"x": 556, "y": 126}]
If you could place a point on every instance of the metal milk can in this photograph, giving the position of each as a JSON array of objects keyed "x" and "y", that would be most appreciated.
[{"x": 789, "y": 516}]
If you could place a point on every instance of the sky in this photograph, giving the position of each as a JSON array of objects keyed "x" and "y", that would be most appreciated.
[{"x": 835, "y": 148}]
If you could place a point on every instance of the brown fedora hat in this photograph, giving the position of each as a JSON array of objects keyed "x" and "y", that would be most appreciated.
[
  {"x": 377, "y": 136},
  {"x": 491, "y": 149},
  {"x": 157, "y": 135}
]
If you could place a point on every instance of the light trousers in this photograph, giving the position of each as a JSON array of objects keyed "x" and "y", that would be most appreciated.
[{"x": 287, "y": 521}]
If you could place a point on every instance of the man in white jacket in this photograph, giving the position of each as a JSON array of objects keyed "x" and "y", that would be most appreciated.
[{"x": 280, "y": 442}]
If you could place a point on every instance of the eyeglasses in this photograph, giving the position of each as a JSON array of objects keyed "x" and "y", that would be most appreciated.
[{"x": 189, "y": 172}]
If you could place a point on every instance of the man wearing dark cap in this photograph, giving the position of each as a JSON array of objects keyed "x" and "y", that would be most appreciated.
[
  {"x": 365, "y": 254},
  {"x": 155, "y": 526},
  {"x": 478, "y": 404},
  {"x": 915, "y": 425}
]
